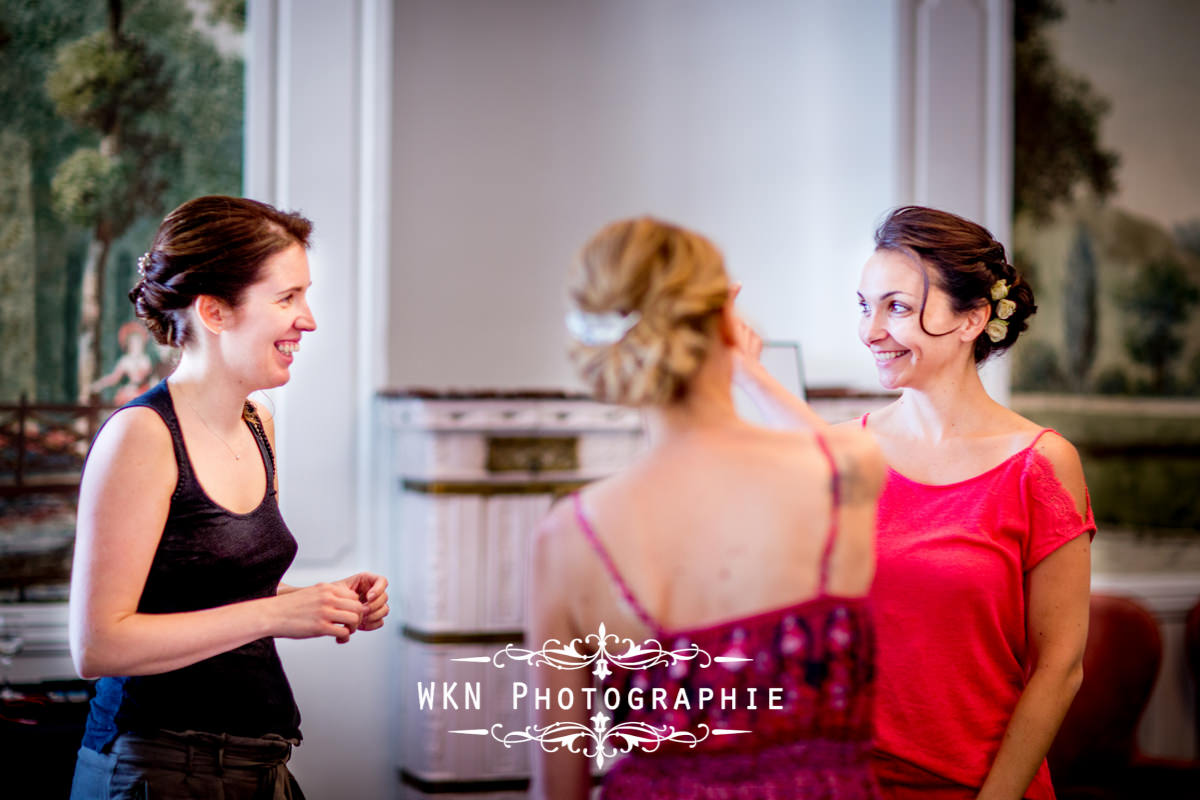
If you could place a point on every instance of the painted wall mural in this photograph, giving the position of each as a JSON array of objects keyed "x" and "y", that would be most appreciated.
[
  {"x": 1107, "y": 223},
  {"x": 113, "y": 113}
]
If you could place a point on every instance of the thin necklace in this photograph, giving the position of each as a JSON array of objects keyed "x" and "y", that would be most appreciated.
[{"x": 236, "y": 457}]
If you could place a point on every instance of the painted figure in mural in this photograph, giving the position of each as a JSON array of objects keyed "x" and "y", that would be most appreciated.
[
  {"x": 746, "y": 551},
  {"x": 984, "y": 528},
  {"x": 133, "y": 370},
  {"x": 180, "y": 547}
]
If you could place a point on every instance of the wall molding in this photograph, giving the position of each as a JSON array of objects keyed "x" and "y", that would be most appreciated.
[
  {"x": 954, "y": 118},
  {"x": 318, "y": 141}
]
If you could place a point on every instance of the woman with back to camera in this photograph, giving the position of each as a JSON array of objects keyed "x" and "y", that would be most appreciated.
[
  {"x": 982, "y": 585},
  {"x": 742, "y": 541},
  {"x": 180, "y": 547}
]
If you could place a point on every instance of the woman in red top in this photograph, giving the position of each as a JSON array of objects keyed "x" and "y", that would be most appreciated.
[{"x": 982, "y": 584}]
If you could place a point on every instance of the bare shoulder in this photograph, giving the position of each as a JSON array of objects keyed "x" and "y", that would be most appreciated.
[
  {"x": 854, "y": 424},
  {"x": 137, "y": 431},
  {"x": 135, "y": 444},
  {"x": 860, "y": 464},
  {"x": 860, "y": 471},
  {"x": 557, "y": 523},
  {"x": 557, "y": 537},
  {"x": 556, "y": 557},
  {"x": 1055, "y": 447},
  {"x": 853, "y": 441},
  {"x": 1064, "y": 459}
]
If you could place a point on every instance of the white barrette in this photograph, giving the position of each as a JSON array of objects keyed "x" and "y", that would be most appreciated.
[
  {"x": 597, "y": 330},
  {"x": 143, "y": 262}
]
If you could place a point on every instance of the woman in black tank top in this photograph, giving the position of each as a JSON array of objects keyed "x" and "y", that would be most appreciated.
[{"x": 176, "y": 597}]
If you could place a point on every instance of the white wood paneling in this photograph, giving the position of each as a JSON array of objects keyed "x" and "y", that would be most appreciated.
[
  {"x": 954, "y": 118},
  {"x": 318, "y": 141}
]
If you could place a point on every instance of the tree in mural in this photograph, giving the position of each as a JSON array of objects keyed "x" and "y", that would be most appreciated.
[
  {"x": 1079, "y": 309},
  {"x": 1156, "y": 303},
  {"x": 40, "y": 284},
  {"x": 1188, "y": 236},
  {"x": 120, "y": 109},
  {"x": 1057, "y": 119},
  {"x": 110, "y": 82}
]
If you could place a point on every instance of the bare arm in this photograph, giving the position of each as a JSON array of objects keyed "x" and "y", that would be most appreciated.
[
  {"x": 124, "y": 499},
  {"x": 860, "y": 468},
  {"x": 779, "y": 407},
  {"x": 561, "y": 775},
  {"x": 1057, "y": 622},
  {"x": 119, "y": 371}
]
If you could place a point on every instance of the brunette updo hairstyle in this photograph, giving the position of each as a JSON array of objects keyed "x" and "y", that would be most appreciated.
[
  {"x": 675, "y": 279},
  {"x": 966, "y": 261},
  {"x": 214, "y": 246}
]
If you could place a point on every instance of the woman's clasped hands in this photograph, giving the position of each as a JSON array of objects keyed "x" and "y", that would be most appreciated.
[{"x": 337, "y": 609}]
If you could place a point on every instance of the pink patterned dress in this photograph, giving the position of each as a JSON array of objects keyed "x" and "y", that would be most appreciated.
[{"x": 809, "y": 733}]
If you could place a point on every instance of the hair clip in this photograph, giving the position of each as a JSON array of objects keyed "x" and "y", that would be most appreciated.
[
  {"x": 596, "y": 330},
  {"x": 143, "y": 262}
]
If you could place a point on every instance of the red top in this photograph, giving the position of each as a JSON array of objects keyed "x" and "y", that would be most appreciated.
[
  {"x": 950, "y": 609},
  {"x": 817, "y": 653}
]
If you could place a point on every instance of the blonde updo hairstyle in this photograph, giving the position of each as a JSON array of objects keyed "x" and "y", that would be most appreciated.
[{"x": 675, "y": 280}]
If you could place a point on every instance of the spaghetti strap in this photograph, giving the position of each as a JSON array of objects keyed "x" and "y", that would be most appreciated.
[
  {"x": 590, "y": 534},
  {"x": 1037, "y": 438},
  {"x": 864, "y": 420},
  {"x": 835, "y": 504}
]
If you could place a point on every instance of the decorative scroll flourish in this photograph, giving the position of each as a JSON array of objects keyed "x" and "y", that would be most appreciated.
[
  {"x": 600, "y": 742},
  {"x": 607, "y": 650}
]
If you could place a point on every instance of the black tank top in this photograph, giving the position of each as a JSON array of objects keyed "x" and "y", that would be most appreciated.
[{"x": 208, "y": 556}]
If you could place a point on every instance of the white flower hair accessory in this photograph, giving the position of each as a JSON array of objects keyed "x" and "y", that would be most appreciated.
[
  {"x": 598, "y": 330},
  {"x": 997, "y": 327},
  {"x": 996, "y": 330},
  {"x": 142, "y": 263}
]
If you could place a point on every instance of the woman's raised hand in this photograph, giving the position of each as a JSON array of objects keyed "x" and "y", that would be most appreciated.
[{"x": 747, "y": 344}]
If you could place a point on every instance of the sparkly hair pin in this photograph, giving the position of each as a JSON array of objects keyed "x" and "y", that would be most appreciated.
[
  {"x": 597, "y": 330},
  {"x": 143, "y": 262}
]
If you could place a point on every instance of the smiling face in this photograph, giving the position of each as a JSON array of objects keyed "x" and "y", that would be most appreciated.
[
  {"x": 891, "y": 293},
  {"x": 263, "y": 335}
]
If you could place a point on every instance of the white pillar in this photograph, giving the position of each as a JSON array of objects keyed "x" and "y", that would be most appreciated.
[
  {"x": 317, "y": 141},
  {"x": 955, "y": 121}
]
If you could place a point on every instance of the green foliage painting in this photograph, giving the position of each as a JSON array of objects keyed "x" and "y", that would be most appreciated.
[
  {"x": 1156, "y": 303},
  {"x": 1106, "y": 212},
  {"x": 1057, "y": 118},
  {"x": 1115, "y": 275},
  {"x": 114, "y": 112}
]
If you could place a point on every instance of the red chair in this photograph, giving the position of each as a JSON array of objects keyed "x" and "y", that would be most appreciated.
[
  {"x": 1095, "y": 755},
  {"x": 1191, "y": 639}
]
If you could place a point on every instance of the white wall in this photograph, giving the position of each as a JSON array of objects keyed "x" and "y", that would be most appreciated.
[{"x": 522, "y": 126}]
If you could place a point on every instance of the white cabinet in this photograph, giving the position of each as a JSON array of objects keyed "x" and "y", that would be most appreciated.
[{"x": 465, "y": 480}]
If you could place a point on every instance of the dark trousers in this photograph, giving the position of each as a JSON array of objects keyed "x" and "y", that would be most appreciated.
[{"x": 186, "y": 765}]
